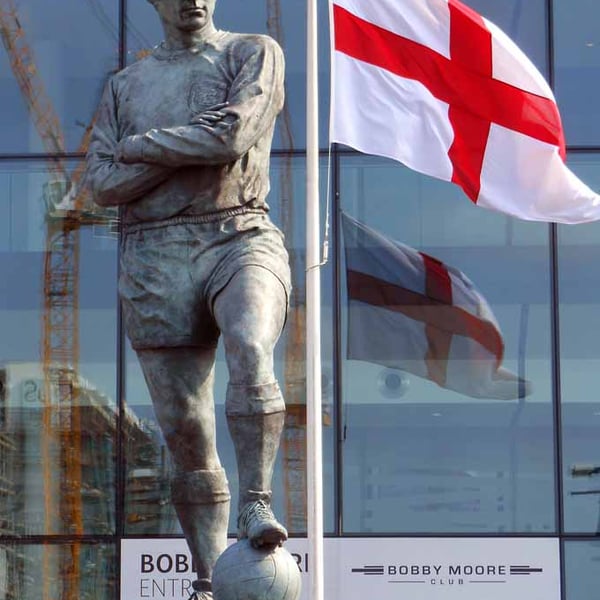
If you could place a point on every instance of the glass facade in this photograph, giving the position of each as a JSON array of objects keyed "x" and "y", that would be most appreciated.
[
  {"x": 446, "y": 463},
  {"x": 82, "y": 462}
]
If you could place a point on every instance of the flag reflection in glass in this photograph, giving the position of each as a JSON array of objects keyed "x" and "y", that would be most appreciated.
[{"x": 410, "y": 311}]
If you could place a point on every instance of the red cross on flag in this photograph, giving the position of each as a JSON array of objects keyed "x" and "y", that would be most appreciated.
[
  {"x": 409, "y": 311},
  {"x": 434, "y": 85}
]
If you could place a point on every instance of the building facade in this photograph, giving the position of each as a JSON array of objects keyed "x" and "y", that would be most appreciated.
[{"x": 82, "y": 462}]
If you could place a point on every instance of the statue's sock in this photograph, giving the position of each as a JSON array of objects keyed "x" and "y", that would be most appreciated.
[{"x": 201, "y": 500}]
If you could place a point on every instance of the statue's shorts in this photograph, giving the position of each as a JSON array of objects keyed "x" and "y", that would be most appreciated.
[{"x": 171, "y": 272}]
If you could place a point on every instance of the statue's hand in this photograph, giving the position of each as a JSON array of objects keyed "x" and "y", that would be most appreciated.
[
  {"x": 211, "y": 117},
  {"x": 128, "y": 150}
]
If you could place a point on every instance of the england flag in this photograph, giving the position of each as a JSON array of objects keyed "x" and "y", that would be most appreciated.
[{"x": 434, "y": 85}]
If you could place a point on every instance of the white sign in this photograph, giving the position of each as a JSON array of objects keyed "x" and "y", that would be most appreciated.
[{"x": 381, "y": 568}]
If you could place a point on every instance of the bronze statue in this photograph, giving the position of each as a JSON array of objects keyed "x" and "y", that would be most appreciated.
[{"x": 182, "y": 145}]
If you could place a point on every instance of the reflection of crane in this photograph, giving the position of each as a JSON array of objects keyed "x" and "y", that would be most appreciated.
[
  {"x": 60, "y": 348},
  {"x": 42, "y": 112}
]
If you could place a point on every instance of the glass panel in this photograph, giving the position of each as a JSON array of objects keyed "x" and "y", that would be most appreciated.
[
  {"x": 421, "y": 457},
  {"x": 53, "y": 65},
  {"x": 577, "y": 69},
  {"x": 579, "y": 282},
  {"x": 524, "y": 22},
  {"x": 69, "y": 571},
  {"x": 284, "y": 21},
  {"x": 57, "y": 356},
  {"x": 582, "y": 580},
  {"x": 148, "y": 508}
]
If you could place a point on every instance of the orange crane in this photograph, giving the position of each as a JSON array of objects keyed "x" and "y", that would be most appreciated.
[{"x": 60, "y": 347}]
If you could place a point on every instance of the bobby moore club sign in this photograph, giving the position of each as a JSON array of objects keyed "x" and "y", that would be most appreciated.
[{"x": 382, "y": 568}]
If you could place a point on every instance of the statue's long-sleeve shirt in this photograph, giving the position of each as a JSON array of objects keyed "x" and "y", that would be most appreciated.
[{"x": 175, "y": 168}]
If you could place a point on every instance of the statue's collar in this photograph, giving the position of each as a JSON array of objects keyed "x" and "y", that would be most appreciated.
[{"x": 162, "y": 52}]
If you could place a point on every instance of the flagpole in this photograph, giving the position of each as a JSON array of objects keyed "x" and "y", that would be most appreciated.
[{"x": 314, "y": 442}]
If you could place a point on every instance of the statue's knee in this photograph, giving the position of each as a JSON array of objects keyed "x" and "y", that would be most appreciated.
[
  {"x": 261, "y": 399},
  {"x": 248, "y": 346},
  {"x": 250, "y": 361}
]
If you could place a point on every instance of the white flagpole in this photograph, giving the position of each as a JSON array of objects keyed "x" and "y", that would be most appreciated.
[{"x": 314, "y": 417}]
